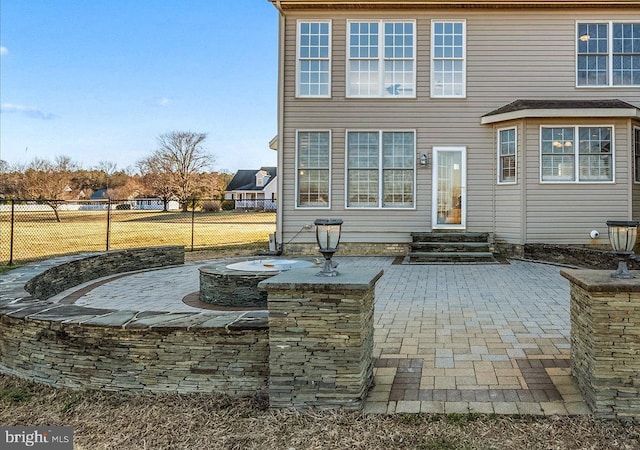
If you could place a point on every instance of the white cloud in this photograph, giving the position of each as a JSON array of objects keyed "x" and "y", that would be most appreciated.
[
  {"x": 163, "y": 101},
  {"x": 28, "y": 111},
  {"x": 3, "y": 51}
]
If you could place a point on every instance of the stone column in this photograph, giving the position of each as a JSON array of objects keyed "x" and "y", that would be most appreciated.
[
  {"x": 605, "y": 341},
  {"x": 320, "y": 338}
]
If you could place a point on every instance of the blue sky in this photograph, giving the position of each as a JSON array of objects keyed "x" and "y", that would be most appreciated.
[{"x": 101, "y": 79}]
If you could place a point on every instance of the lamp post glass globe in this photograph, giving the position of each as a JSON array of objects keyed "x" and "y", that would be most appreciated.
[
  {"x": 622, "y": 236},
  {"x": 328, "y": 237}
]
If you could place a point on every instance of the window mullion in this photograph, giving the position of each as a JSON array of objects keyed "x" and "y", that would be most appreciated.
[
  {"x": 381, "y": 49},
  {"x": 610, "y": 53}
]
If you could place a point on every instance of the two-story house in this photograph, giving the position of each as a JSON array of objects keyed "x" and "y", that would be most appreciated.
[
  {"x": 518, "y": 118},
  {"x": 254, "y": 188}
]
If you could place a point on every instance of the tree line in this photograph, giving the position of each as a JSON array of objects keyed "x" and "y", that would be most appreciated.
[{"x": 180, "y": 168}]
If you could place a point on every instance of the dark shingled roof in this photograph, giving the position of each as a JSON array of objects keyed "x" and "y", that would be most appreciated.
[
  {"x": 245, "y": 180},
  {"x": 520, "y": 105}
]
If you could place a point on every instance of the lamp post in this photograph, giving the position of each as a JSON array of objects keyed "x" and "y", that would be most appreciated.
[
  {"x": 328, "y": 237},
  {"x": 622, "y": 236}
]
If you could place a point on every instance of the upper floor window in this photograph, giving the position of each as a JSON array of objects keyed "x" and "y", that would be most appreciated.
[
  {"x": 380, "y": 169},
  {"x": 582, "y": 154},
  {"x": 448, "y": 55},
  {"x": 608, "y": 54},
  {"x": 381, "y": 59},
  {"x": 507, "y": 149},
  {"x": 313, "y": 156},
  {"x": 314, "y": 59}
]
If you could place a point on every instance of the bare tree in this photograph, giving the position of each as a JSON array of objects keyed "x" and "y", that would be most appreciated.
[
  {"x": 177, "y": 165},
  {"x": 47, "y": 181},
  {"x": 108, "y": 168}
]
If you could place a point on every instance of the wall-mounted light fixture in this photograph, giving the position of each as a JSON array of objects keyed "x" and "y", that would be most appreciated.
[
  {"x": 424, "y": 160},
  {"x": 622, "y": 236},
  {"x": 328, "y": 237}
]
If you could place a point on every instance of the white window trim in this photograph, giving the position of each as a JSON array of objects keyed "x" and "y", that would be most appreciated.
[
  {"x": 464, "y": 58},
  {"x": 380, "y": 169},
  {"x": 576, "y": 154},
  {"x": 515, "y": 181},
  {"x": 298, "y": 23},
  {"x": 297, "y": 192},
  {"x": 634, "y": 129},
  {"x": 610, "y": 84},
  {"x": 381, "y": 59}
]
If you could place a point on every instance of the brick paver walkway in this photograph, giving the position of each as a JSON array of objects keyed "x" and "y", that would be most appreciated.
[{"x": 448, "y": 338}]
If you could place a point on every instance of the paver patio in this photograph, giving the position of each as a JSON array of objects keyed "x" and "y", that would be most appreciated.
[{"x": 448, "y": 338}]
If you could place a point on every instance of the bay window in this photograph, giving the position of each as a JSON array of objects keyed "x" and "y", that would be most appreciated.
[
  {"x": 507, "y": 149},
  {"x": 576, "y": 154}
]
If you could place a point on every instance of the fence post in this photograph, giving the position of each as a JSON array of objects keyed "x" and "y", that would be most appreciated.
[
  {"x": 13, "y": 220},
  {"x": 108, "y": 221},
  {"x": 193, "y": 220}
]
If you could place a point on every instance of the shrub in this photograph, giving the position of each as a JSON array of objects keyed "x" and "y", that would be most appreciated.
[
  {"x": 211, "y": 206},
  {"x": 228, "y": 205},
  {"x": 123, "y": 206}
]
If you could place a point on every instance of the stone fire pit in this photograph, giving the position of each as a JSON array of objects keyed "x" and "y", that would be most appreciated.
[{"x": 236, "y": 285}]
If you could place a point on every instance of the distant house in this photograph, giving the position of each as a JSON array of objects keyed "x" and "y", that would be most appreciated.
[
  {"x": 254, "y": 188},
  {"x": 154, "y": 204},
  {"x": 99, "y": 194}
]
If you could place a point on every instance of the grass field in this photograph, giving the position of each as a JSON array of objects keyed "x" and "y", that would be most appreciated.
[{"x": 38, "y": 235}]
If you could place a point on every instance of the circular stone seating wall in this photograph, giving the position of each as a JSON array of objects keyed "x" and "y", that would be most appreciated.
[{"x": 79, "y": 347}]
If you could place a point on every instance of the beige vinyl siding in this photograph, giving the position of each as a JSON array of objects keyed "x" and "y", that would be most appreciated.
[
  {"x": 511, "y": 54},
  {"x": 567, "y": 212}
]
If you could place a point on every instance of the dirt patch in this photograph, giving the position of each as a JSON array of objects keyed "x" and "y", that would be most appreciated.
[{"x": 104, "y": 420}]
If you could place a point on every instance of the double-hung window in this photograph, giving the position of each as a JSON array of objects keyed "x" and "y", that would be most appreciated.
[
  {"x": 608, "y": 54},
  {"x": 576, "y": 154},
  {"x": 313, "y": 156},
  {"x": 448, "y": 58},
  {"x": 380, "y": 169},
  {"x": 314, "y": 59},
  {"x": 381, "y": 59},
  {"x": 507, "y": 151}
]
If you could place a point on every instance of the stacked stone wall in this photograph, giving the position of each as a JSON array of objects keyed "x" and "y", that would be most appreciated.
[
  {"x": 203, "y": 357},
  {"x": 605, "y": 341},
  {"x": 321, "y": 339},
  {"x": 67, "y": 275}
]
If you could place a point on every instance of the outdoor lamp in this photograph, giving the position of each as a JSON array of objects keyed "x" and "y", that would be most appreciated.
[
  {"x": 622, "y": 235},
  {"x": 328, "y": 237},
  {"x": 424, "y": 160}
]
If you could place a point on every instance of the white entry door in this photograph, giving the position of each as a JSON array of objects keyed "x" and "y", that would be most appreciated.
[{"x": 449, "y": 188}]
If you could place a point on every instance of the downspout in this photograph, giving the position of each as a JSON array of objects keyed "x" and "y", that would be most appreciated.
[{"x": 280, "y": 156}]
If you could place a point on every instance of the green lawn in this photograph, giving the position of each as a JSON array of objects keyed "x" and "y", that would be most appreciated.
[{"x": 37, "y": 235}]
